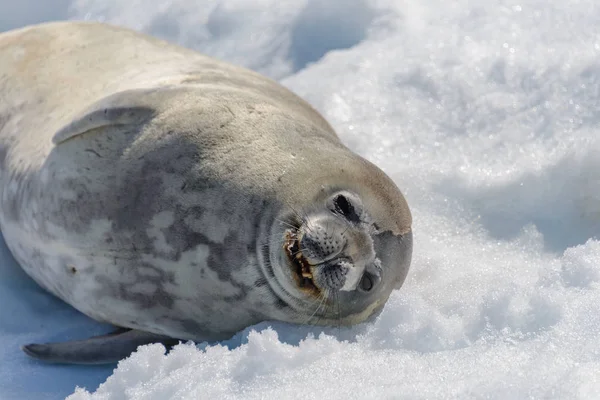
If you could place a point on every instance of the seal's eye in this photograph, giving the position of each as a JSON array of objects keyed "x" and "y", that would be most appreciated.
[
  {"x": 343, "y": 205},
  {"x": 366, "y": 283},
  {"x": 371, "y": 277}
]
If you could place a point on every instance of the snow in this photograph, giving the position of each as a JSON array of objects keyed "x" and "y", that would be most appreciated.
[{"x": 484, "y": 113}]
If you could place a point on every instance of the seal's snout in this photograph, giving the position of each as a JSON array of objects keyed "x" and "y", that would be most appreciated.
[
  {"x": 320, "y": 244},
  {"x": 332, "y": 277},
  {"x": 332, "y": 247},
  {"x": 316, "y": 260}
]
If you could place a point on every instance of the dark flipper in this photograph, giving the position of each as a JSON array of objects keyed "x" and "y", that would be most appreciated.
[{"x": 105, "y": 349}]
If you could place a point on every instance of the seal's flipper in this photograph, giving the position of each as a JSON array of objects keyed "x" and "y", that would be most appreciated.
[
  {"x": 104, "y": 349},
  {"x": 130, "y": 107}
]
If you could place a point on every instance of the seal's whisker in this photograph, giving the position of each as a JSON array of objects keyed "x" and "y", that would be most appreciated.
[
  {"x": 306, "y": 221},
  {"x": 276, "y": 239},
  {"x": 323, "y": 306},
  {"x": 339, "y": 315},
  {"x": 308, "y": 224},
  {"x": 286, "y": 223},
  {"x": 323, "y": 297},
  {"x": 345, "y": 230},
  {"x": 296, "y": 213},
  {"x": 316, "y": 310},
  {"x": 328, "y": 294},
  {"x": 303, "y": 250}
]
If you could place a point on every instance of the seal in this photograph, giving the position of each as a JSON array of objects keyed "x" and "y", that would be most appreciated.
[{"x": 178, "y": 197}]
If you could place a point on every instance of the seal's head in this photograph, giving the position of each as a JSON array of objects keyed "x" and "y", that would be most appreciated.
[{"x": 340, "y": 260}]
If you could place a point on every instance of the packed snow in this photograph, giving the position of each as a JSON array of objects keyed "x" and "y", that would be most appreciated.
[{"x": 485, "y": 113}]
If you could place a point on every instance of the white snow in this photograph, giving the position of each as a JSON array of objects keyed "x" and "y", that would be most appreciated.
[{"x": 486, "y": 114}]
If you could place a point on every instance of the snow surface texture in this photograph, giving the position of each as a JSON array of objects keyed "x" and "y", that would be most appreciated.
[{"x": 485, "y": 113}]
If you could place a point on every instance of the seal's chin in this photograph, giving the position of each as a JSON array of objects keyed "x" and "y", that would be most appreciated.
[{"x": 301, "y": 268}]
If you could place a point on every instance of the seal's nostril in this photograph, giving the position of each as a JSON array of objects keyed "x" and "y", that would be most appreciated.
[{"x": 317, "y": 249}]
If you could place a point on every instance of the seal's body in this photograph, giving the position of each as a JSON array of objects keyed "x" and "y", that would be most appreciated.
[{"x": 160, "y": 190}]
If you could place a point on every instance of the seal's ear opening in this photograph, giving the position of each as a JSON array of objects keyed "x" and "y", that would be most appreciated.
[{"x": 123, "y": 108}]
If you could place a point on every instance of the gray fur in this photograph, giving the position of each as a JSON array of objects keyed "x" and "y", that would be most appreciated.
[{"x": 153, "y": 188}]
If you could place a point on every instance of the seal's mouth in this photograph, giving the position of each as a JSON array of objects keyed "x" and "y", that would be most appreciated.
[{"x": 300, "y": 266}]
